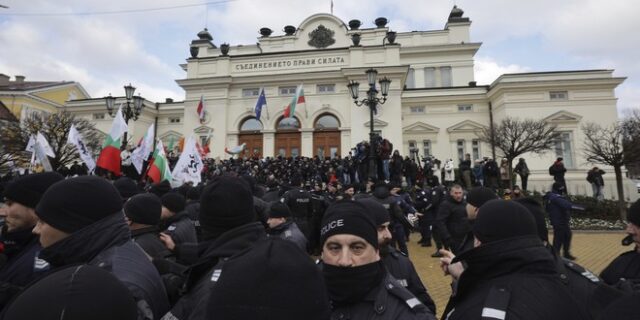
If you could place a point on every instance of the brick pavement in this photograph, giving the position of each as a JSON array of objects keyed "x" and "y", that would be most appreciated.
[{"x": 594, "y": 251}]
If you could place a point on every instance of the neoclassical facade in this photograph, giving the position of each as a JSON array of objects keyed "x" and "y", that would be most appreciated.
[{"x": 434, "y": 104}]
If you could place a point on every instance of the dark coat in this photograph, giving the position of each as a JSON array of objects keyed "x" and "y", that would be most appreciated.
[
  {"x": 107, "y": 244},
  {"x": 299, "y": 202},
  {"x": 557, "y": 170},
  {"x": 193, "y": 211},
  {"x": 451, "y": 222},
  {"x": 521, "y": 274},
  {"x": 595, "y": 177},
  {"x": 389, "y": 300},
  {"x": 180, "y": 228},
  {"x": 402, "y": 269},
  {"x": 19, "y": 265},
  {"x": 212, "y": 255},
  {"x": 289, "y": 231},
  {"x": 558, "y": 208},
  {"x": 625, "y": 266},
  {"x": 148, "y": 239}
]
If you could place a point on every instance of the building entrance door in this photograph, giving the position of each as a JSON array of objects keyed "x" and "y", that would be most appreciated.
[
  {"x": 326, "y": 144},
  {"x": 254, "y": 144},
  {"x": 287, "y": 144}
]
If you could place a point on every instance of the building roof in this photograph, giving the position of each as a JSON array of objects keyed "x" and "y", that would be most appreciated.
[
  {"x": 5, "y": 114},
  {"x": 31, "y": 85}
]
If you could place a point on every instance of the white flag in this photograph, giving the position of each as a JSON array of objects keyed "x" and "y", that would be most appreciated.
[
  {"x": 189, "y": 165},
  {"x": 41, "y": 155},
  {"x": 141, "y": 153},
  {"x": 44, "y": 144},
  {"x": 75, "y": 138}
]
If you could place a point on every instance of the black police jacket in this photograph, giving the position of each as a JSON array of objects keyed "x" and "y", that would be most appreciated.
[
  {"x": 107, "y": 244},
  {"x": 148, "y": 239},
  {"x": 212, "y": 254},
  {"x": 389, "y": 300},
  {"x": 626, "y": 266},
  {"x": 180, "y": 228},
  {"x": 402, "y": 269},
  {"x": 299, "y": 202},
  {"x": 18, "y": 262},
  {"x": 514, "y": 278}
]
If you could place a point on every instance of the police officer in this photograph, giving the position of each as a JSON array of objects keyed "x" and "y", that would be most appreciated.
[
  {"x": 358, "y": 283},
  {"x": 509, "y": 273},
  {"x": 381, "y": 193},
  {"x": 175, "y": 221},
  {"x": 627, "y": 265},
  {"x": 281, "y": 226},
  {"x": 398, "y": 265},
  {"x": 559, "y": 215},
  {"x": 143, "y": 215},
  {"x": 299, "y": 202}
]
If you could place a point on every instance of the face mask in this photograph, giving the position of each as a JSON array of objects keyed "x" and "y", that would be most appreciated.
[{"x": 349, "y": 285}]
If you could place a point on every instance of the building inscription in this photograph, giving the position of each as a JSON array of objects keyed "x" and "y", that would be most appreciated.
[{"x": 289, "y": 63}]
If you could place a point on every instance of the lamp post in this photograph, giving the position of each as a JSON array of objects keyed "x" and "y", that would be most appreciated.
[
  {"x": 371, "y": 101},
  {"x": 130, "y": 112}
]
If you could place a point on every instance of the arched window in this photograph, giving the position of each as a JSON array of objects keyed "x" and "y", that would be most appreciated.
[
  {"x": 327, "y": 121},
  {"x": 251, "y": 124},
  {"x": 288, "y": 124}
]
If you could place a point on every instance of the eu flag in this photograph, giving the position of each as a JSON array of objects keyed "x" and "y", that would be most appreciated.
[{"x": 262, "y": 101}]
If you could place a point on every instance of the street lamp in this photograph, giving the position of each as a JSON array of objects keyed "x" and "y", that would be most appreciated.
[
  {"x": 131, "y": 111},
  {"x": 371, "y": 101}
]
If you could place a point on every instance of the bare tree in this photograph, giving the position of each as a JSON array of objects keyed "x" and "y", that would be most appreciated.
[
  {"x": 604, "y": 145},
  {"x": 515, "y": 137},
  {"x": 631, "y": 142},
  {"x": 55, "y": 128}
]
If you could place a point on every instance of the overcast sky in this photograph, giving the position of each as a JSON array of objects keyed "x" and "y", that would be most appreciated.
[{"x": 103, "y": 52}]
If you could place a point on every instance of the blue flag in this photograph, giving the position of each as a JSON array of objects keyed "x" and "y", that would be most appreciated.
[{"x": 262, "y": 101}]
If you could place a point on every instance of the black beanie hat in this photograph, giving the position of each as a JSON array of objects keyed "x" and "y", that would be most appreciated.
[
  {"x": 291, "y": 286},
  {"x": 226, "y": 203},
  {"x": 538, "y": 213},
  {"x": 126, "y": 187},
  {"x": 349, "y": 217},
  {"x": 75, "y": 203},
  {"x": 143, "y": 208},
  {"x": 28, "y": 190},
  {"x": 279, "y": 210},
  {"x": 77, "y": 292},
  {"x": 479, "y": 195},
  {"x": 633, "y": 214},
  {"x": 174, "y": 201},
  {"x": 161, "y": 188},
  {"x": 193, "y": 194},
  {"x": 501, "y": 219},
  {"x": 379, "y": 214}
]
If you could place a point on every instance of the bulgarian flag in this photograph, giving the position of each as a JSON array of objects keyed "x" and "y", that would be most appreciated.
[
  {"x": 290, "y": 110},
  {"x": 159, "y": 169},
  {"x": 109, "y": 158},
  {"x": 201, "y": 109}
]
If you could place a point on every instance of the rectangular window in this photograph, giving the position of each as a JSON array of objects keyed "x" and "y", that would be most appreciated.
[
  {"x": 287, "y": 91},
  {"x": 475, "y": 149},
  {"x": 558, "y": 95},
  {"x": 411, "y": 81},
  {"x": 98, "y": 116},
  {"x": 326, "y": 88},
  {"x": 445, "y": 76},
  {"x": 250, "y": 92},
  {"x": 465, "y": 107},
  {"x": 564, "y": 149},
  {"x": 426, "y": 147},
  {"x": 460, "y": 146},
  {"x": 417, "y": 109},
  {"x": 174, "y": 119},
  {"x": 429, "y": 77}
]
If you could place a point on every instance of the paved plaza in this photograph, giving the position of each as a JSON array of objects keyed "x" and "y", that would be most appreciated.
[{"x": 594, "y": 251}]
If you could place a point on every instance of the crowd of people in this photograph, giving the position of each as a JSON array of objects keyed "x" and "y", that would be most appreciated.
[{"x": 301, "y": 238}]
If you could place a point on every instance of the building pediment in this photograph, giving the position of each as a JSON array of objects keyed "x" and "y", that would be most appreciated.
[
  {"x": 377, "y": 123},
  {"x": 466, "y": 126},
  {"x": 170, "y": 134},
  {"x": 203, "y": 130},
  {"x": 563, "y": 117},
  {"x": 420, "y": 128}
]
